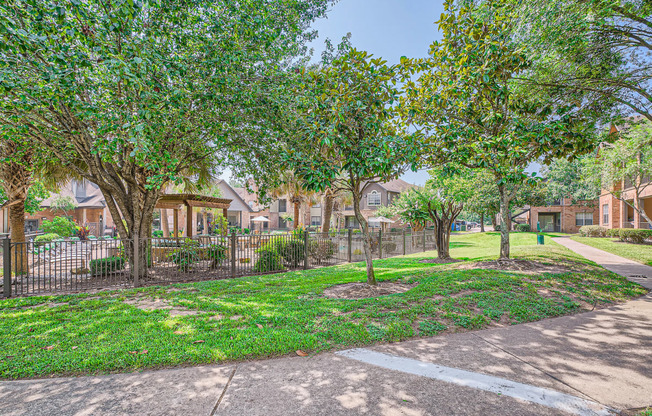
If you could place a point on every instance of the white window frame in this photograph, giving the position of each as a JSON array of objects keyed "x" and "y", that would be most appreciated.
[
  {"x": 605, "y": 214},
  {"x": 375, "y": 194},
  {"x": 583, "y": 218}
]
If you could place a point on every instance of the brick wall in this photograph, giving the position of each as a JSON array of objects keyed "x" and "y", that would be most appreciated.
[{"x": 567, "y": 214}]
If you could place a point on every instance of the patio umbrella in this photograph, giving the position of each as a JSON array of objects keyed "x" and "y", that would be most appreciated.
[
  {"x": 261, "y": 220},
  {"x": 382, "y": 221}
]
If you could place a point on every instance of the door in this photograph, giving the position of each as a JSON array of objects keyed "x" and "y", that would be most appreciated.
[{"x": 547, "y": 222}]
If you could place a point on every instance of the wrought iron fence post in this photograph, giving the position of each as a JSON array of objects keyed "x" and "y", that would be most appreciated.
[
  {"x": 305, "y": 250},
  {"x": 136, "y": 260},
  {"x": 404, "y": 243},
  {"x": 380, "y": 244},
  {"x": 233, "y": 247},
  {"x": 350, "y": 244},
  {"x": 6, "y": 261}
]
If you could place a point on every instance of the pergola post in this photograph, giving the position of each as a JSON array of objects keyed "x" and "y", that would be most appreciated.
[
  {"x": 176, "y": 223},
  {"x": 189, "y": 222}
]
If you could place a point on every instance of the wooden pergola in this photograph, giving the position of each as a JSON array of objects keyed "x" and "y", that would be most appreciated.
[{"x": 177, "y": 202}]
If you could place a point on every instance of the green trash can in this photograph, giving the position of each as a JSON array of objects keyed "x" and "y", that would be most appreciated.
[
  {"x": 463, "y": 227},
  {"x": 540, "y": 239}
]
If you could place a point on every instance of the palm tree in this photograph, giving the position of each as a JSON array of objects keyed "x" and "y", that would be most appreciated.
[{"x": 291, "y": 186}]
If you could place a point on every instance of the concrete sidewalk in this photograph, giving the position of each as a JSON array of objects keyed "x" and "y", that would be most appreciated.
[
  {"x": 594, "y": 363},
  {"x": 634, "y": 271}
]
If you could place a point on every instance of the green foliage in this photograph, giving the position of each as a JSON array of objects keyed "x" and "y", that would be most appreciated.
[
  {"x": 568, "y": 179},
  {"x": 523, "y": 228},
  {"x": 63, "y": 203},
  {"x": 63, "y": 226},
  {"x": 215, "y": 252},
  {"x": 320, "y": 251},
  {"x": 102, "y": 267},
  {"x": 43, "y": 239},
  {"x": 35, "y": 195},
  {"x": 635, "y": 236},
  {"x": 268, "y": 260},
  {"x": 220, "y": 224},
  {"x": 157, "y": 233},
  {"x": 292, "y": 251},
  {"x": 593, "y": 231},
  {"x": 430, "y": 328},
  {"x": 187, "y": 254}
]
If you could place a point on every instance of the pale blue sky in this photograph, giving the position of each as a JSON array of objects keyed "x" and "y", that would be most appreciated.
[{"x": 386, "y": 28}]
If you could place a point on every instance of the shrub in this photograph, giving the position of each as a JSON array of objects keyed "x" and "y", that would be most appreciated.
[
  {"x": 497, "y": 228},
  {"x": 44, "y": 239},
  {"x": 320, "y": 251},
  {"x": 523, "y": 228},
  {"x": 635, "y": 236},
  {"x": 217, "y": 253},
  {"x": 613, "y": 232},
  {"x": 268, "y": 260},
  {"x": 389, "y": 246},
  {"x": 292, "y": 251},
  {"x": 246, "y": 230},
  {"x": 593, "y": 231},
  {"x": 107, "y": 265},
  {"x": 61, "y": 226},
  {"x": 157, "y": 233},
  {"x": 186, "y": 255}
]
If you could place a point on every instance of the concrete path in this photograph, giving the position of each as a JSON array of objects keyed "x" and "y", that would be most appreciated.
[
  {"x": 594, "y": 363},
  {"x": 634, "y": 271}
]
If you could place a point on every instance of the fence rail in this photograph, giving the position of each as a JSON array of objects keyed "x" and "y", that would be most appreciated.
[{"x": 65, "y": 266}]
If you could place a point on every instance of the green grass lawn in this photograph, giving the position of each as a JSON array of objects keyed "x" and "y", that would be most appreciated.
[
  {"x": 641, "y": 253},
  {"x": 266, "y": 316}
]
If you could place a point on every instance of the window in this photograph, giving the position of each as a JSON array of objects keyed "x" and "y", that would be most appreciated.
[
  {"x": 583, "y": 218},
  {"x": 315, "y": 221},
  {"x": 605, "y": 214},
  {"x": 351, "y": 222},
  {"x": 373, "y": 199},
  {"x": 282, "y": 205}
]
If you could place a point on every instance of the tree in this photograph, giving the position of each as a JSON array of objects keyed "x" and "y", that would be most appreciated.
[
  {"x": 63, "y": 203},
  {"x": 624, "y": 168},
  {"x": 595, "y": 51},
  {"x": 474, "y": 113},
  {"x": 409, "y": 207},
  {"x": 132, "y": 95},
  {"x": 347, "y": 119},
  {"x": 566, "y": 179},
  {"x": 292, "y": 186}
]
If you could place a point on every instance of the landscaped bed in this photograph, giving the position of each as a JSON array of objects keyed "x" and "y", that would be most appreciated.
[{"x": 265, "y": 316}]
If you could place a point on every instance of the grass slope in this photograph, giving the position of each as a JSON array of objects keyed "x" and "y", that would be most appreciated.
[
  {"x": 256, "y": 317},
  {"x": 641, "y": 253}
]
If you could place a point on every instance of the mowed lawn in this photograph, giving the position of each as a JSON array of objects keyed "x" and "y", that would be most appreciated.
[
  {"x": 258, "y": 317},
  {"x": 641, "y": 253}
]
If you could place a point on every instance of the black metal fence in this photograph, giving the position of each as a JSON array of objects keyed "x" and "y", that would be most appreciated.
[{"x": 64, "y": 266}]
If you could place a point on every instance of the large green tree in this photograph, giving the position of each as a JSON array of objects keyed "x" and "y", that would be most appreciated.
[
  {"x": 595, "y": 51},
  {"x": 134, "y": 94},
  {"x": 473, "y": 111},
  {"x": 351, "y": 139}
]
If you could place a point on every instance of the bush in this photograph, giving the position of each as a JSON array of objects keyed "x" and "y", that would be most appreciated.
[
  {"x": 613, "y": 232},
  {"x": 44, "y": 239},
  {"x": 107, "y": 265},
  {"x": 523, "y": 228},
  {"x": 292, "y": 251},
  {"x": 246, "y": 231},
  {"x": 216, "y": 253},
  {"x": 593, "y": 231},
  {"x": 268, "y": 260},
  {"x": 186, "y": 255},
  {"x": 635, "y": 236},
  {"x": 61, "y": 226},
  {"x": 157, "y": 233},
  {"x": 320, "y": 251}
]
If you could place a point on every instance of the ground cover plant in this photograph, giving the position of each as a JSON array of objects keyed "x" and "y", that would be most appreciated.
[
  {"x": 264, "y": 316},
  {"x": 641, "y": 253}
]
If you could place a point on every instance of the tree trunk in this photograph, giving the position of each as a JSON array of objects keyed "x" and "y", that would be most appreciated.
[
  {"x": 165, "y": 225},
  {"x": 493, "y": 220},
  {"x": 19, "y": 257},
  {"x": 328, "y": 213},
  {"x": 295, "y": 222},
  {"x": 504, "y": 217},
  {"x": 366, "y": 239},
  {"x": 482, "y": 222}
]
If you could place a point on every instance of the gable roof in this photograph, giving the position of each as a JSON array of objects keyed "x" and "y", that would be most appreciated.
[
  {"x": 93, "y": 197},
  {"x": 236, "y": 194},
  {"x": 397, "y": 185}
]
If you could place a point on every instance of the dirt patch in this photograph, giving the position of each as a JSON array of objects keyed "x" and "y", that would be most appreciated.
[
  {"x": 439, "y": 261},
  {"x": 160, "y": 304},
  {"x": 364, "y": 291},
  {"x": 523, "y": 266}
]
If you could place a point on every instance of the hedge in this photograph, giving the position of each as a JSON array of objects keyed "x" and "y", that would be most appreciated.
[
  {"x": 523, "y": 228},
  {"x": 42, "y": 240},
  {"x": 635, "y": 236},
  {"x": 106, "y": 265},
  {"x": 592, "y": 231}
]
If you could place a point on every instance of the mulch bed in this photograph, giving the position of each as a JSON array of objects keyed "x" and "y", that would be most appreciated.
[{"x": 365, "y": 291}]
